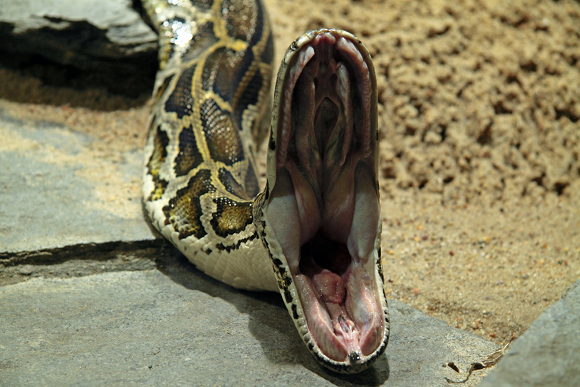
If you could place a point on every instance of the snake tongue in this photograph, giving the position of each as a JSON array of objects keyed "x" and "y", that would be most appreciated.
[{"x": 324, "y": 206}]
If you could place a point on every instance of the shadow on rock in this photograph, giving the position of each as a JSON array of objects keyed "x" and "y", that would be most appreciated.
[{"x": 269, "y": 322}]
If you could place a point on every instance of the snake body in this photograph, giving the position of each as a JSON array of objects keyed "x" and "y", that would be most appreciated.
[{"x": 313, "y": 233}]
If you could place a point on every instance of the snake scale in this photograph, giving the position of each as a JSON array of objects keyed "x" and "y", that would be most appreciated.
[{"x": 313, "y": 233}]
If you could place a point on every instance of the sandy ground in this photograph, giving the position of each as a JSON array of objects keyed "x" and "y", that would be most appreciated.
[{"x": 480, "y": 146}]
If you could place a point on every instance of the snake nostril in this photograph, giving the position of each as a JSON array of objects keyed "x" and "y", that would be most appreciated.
[{"x": 354, "y": 357}]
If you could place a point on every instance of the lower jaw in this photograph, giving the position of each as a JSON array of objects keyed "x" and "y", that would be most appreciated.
[{"x": 333, "y": 326}]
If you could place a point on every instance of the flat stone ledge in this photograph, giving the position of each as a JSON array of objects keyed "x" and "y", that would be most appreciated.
[
  {"x": 55, "y": 192},
  {"x": 181, "y": 327}
]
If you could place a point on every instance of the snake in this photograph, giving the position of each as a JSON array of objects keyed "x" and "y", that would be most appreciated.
[{"x": 313, "y": 232}]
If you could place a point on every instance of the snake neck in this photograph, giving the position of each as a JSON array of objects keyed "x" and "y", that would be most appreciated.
[{"x": 210, "y": 101}]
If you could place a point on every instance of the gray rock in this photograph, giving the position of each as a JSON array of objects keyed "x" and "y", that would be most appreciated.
[
  {"x": 84, "y": 33},
  {"x": 54, "y": 192},
  {"x": 181, "y": 327},
  {"x": 548, "y": 353}
]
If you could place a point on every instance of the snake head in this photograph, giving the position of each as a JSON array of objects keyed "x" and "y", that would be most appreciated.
[{"x": 320, "y": 214}]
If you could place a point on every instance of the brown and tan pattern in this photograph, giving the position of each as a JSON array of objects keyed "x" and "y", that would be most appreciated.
[{"x": 314, "y": 232}]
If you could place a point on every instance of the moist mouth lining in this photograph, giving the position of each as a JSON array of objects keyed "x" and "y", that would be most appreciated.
[{"x": 325, "y": 254}]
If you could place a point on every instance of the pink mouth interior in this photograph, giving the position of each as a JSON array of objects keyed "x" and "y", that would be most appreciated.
[{"x": 324, "y": 207}]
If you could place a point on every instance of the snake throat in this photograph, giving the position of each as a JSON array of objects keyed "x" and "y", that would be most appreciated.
[{"x": 324, "y": 207}]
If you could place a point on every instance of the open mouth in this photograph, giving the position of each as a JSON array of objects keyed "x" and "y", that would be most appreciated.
[
  {"x": 324, "y": 205},
  {"x": 340, "y": 302}
]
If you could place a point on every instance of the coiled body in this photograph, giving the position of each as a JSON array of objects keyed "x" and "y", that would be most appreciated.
[{"x": 211, "y": 97}]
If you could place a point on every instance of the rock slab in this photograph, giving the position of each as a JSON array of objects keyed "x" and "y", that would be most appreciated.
[
  {"x": 548, "y": 353},
  {"x": 180, "y": 327},
  {"x": 54, "y": 193},
  {"x": 83, "y": 33}
]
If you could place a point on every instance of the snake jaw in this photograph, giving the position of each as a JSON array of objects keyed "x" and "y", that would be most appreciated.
[{"x": 322, "y": 213}]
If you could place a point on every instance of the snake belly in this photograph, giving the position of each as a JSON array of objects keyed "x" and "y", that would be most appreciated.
[{"x": 313, "y": 233}]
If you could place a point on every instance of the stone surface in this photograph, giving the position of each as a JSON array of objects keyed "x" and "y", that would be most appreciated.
[
  {"x": 55, "y": 189},
  {"x": 83, "y": 33},
  {"x": 146, "y": 327},
  {"x": 548, "y": 353},
  {"x": 179, "y": 326}
]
